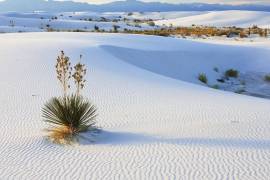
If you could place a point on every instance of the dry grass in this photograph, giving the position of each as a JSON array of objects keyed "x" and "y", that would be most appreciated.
[{"x": 61, "y": 135}]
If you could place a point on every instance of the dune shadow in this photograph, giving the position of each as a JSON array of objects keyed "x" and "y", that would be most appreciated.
[
  {"x": 125, "y": 138},
  {"x": 180, "y": 64}
]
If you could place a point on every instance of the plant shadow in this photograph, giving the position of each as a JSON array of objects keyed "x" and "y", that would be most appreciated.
[{"x": 125, "y": 138}]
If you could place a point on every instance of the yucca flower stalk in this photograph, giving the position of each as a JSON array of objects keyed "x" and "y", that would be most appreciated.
[
  {"x": 63, "y": 71},
  {"x": 78, "y": 76}
]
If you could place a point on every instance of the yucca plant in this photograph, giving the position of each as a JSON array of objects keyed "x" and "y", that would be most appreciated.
[
  {"x": 202, "y": 77},
  {"x": 69, "y": 116},
  {"x": 267, "y": 78}
]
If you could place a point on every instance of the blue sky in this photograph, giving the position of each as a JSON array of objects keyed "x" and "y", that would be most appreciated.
[
  {"x": 235, "y": 2},
  {"x": 186, "y": 1}
]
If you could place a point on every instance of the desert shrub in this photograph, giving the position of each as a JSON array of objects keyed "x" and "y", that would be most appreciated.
[
  {"x": 243, "y": 35},
  {"x": 103, "y": 19},
  {"x": 115, "y": 28},
  {"x": 50, "y": 30},
  {"x": 216, "y": 69},
  {"x": 77, "y": 30},
  {"x": 215, "y": 86},
  {"x": 265, "y": 32},
  {"x": 267, "y": 77},
  {"x": 96, "y": 28},
  {"x": 69, "y": 116},
  {"x": 151, "y": 23},
  {"x": 221, "y": 80},
  {"x": 240, "y": 91},
  {"x": 243, "y": 82},
  {"x": 12, "y": 23},
  {"x": 202, "y": 77},
  {"x": 232, "y": 73},
  {"x": 137, "y": 25}
]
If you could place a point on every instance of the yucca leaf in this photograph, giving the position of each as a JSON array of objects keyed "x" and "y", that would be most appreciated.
[{"x": 73, "y": 112}]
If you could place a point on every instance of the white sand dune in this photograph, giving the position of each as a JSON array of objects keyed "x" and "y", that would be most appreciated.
[
  {"x": 86, "y": 21},
  {"x": 222, "y": 18},
  {"x": 155, "y": 126},
  {"x": 66, "y": 21}
]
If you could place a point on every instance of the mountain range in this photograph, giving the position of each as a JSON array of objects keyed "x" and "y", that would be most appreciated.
[{"x": 120, "y": 6}]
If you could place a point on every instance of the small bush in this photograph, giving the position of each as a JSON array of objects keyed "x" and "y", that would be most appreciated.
[
  {"x": 243, "y": 35},
  {"x": 267, "y": 77},
  {"x": 151, "y": 23},
  {"x": 240, "y": 91},
  {"x": 216, "y": 69},
  {"x": 221, "y": 80},
  {"x": 96, "y": 28},
  {"x": 69, "y": 116},
  {"x": 232, "y": 73},
  {"x": 115, "y": 28},
  {"x": 202, "y": 77},
  {"x": 215, "y": 86}
]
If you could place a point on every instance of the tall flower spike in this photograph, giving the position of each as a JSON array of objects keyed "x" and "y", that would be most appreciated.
[
  {"x": 78, "y": 76},
  {"x": 63, "y": 71}
]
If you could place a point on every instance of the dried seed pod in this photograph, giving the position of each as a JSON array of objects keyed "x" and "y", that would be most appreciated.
[
  {"x": 78, "y": 76},
  {"x": 63, "y": 71}
]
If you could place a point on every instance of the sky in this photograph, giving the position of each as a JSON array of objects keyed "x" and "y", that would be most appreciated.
[
  {"x": 266, "y": 2},
  {"x": 234, "y": 2}
]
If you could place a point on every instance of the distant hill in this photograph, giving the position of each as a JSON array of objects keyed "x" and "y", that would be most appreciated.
[{"x": 127, "y": 6}]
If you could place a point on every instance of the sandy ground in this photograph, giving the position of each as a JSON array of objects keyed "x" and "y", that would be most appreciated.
[{"x": 154, "y": 126}]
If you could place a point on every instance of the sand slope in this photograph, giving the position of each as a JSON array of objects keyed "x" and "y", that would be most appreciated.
[
  {"x": 154, "y": 126},
  {"x": 86, "y": 21},
  {"x": 222, "y": 18}
]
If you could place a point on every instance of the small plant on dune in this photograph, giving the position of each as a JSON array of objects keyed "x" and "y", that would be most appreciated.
[
  {"x": 151, "y": 23},
  {"x": 115, "y": 28},
  {"x": 267, "y": 77},
  {"x": 231, "y": 73},
  {"x": 202, "y": 77},
  {"x": 96, "y": 28},
  {"x": 215, "y": 86},
  {"x": 240, "y": 91},
  {"x": 69, "y": 115},
  {"x": 216, "y": 69}
]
